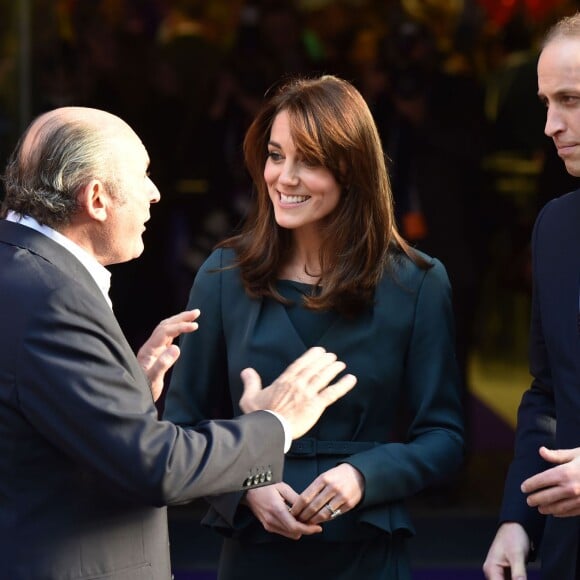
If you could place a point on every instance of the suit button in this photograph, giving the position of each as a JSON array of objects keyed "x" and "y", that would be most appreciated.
[
  {"x": 248, "y": 482},
  {"x": 269, "y": 476},
  {"x": 256, "y": 479},
  {"x": 262, "y": 477}
]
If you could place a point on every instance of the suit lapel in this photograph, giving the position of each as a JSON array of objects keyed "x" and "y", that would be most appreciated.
[{"x": 39, "y": 244}]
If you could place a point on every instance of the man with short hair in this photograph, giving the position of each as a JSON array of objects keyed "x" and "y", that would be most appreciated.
[{"x": 541, "y": 501}]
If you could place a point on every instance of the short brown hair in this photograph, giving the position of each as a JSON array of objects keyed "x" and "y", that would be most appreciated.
[{"x": 567, "y": 27}]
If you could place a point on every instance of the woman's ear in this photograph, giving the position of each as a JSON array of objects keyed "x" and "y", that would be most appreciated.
[{"x": 96, "y": 200}]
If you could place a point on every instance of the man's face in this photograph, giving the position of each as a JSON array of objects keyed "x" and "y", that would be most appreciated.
[
  {"x": 133, "y": 193},
  {"x": 559, "y": 89}
]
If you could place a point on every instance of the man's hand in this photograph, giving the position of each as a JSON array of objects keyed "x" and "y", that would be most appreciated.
[
  {"x": 158, "y": 354},
  {"x": 507, "y": 554},
  {"x": 301, "y": 393},
  {"x": 556, "y": 491}
]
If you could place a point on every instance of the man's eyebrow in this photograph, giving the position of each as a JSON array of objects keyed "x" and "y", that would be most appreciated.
[{"x": 558, "y": 94}]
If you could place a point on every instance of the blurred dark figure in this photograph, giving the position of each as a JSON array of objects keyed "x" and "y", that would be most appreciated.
[
  {"x": 516, "y": 114},
  {"x": 434, "y": 131},
  {"x": 188, "y": 61},
  {"x": 334, "y": 26},
  {"x": 9, "y": 112},
  {"x": 517, "y": 153},
  {"x": 269, "y": 45},
  {"x": 115, "y": 64},
  {"x": 186, "y": 66}
]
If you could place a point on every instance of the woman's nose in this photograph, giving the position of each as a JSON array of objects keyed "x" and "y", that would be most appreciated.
[{"x": 289, "y": 174}]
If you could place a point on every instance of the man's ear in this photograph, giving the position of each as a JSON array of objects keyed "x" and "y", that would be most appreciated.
[{"x": 96, "y": 200}]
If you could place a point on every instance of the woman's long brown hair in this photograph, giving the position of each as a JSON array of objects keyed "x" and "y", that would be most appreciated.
[{"x": 331, "y": 126}]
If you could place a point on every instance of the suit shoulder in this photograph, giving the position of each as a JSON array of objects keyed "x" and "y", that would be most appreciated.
[
  {"x": 559, "y": 213},
  {"x": 562, "y": 205}
]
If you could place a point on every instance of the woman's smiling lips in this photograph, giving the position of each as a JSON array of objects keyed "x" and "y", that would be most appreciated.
[{"x": 292, "y": 199}]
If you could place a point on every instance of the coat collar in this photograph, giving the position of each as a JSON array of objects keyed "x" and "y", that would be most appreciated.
[{"x": 28, "y": 239}]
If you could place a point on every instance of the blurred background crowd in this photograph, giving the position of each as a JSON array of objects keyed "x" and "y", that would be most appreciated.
[{"x": 452, "y": 86}]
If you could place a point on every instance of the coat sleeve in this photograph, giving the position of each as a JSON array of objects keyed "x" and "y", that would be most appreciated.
[
  {"x": 433, "y": 448},
  {"x": 199, "y": 387},
  {"x": 79, "y": 385}
]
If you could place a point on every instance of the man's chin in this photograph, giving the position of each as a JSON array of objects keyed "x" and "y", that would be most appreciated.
[
  {"x": 129, "y": 257},
  {"x": 138, "y": 253},
  {"x": 573, "y": 168}
]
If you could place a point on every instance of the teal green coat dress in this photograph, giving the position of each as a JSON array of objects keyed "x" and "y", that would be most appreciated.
[{"x": 401, "y": 350}]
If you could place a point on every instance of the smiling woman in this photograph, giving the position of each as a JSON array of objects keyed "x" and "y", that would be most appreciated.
[
  {"x": 302, "y": 194},
  {"x": 319, "y": 261}
]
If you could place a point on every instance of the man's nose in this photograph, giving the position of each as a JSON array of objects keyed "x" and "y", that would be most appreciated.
[
  {"x": 554, "y": 122},
  {"x": 154, "y": 194}
]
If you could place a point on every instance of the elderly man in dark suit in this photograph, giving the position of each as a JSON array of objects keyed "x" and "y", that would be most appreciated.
[
  {"x": 86, "y": 466},
  {"x": 542, "y": 493}
]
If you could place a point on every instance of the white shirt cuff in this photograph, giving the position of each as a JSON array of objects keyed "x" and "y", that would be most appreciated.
[{"x": 287, "y": 430}]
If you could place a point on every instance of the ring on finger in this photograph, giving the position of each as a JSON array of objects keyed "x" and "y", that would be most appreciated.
[{"x": 333, "y": 513}]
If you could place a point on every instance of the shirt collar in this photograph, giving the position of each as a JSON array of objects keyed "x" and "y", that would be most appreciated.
[{"x": 99, "y": 273}]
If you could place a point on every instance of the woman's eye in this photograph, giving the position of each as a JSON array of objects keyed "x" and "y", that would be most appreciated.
[{"x": 274, "y": 155}]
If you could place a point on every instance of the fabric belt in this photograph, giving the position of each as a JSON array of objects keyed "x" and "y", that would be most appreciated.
[{"x": 311, "y": 447}]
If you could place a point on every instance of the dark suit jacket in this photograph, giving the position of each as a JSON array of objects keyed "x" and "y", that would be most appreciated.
[
  {"x": 85, "y": 465},
  {"x": 401, "y": 351},
  {"x": 549, "y": 413}
]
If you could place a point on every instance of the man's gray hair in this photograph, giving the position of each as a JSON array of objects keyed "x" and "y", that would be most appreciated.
[{"x": 46, "y": 171}]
